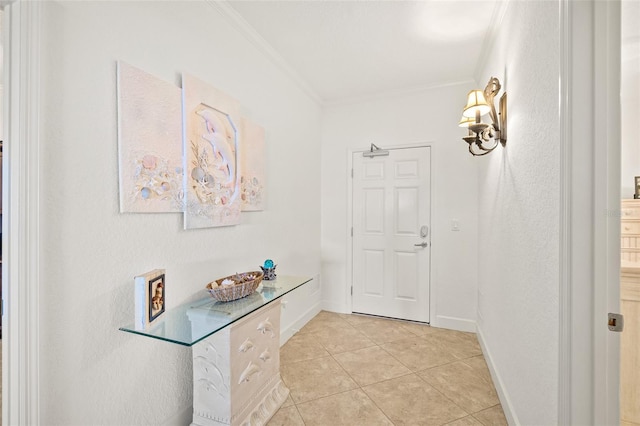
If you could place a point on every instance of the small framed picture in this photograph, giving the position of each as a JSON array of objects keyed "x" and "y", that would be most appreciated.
[
  {"x": 156, "y": 297},
  {"x": 637, "y": 187},
  {"x": 150, "y": 291}
]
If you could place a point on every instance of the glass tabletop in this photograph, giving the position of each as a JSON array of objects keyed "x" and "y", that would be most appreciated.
[{"x": 193, "y": 321}]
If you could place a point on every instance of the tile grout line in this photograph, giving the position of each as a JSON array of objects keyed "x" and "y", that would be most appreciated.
[
  {"x": 415, "y": 373},
  {"x": 365, "y": 392},
  {"x": 360, "y": 387},
  {"x": 375, "y": 344},
  {"x": 474, "y": 414}
]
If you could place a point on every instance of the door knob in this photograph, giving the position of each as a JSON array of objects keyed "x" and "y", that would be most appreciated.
[{"x": 422, "y": 244}]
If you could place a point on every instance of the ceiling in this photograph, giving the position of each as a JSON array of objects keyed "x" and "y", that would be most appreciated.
[{"x": 347, "y": 50}]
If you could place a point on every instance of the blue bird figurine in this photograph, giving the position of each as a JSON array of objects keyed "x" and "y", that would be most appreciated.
[{"x": 269, "y": 270}]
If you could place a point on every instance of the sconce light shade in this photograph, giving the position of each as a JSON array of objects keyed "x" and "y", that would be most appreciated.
[
  {"x": 466, "y": 121},
  {"x": 476, "y": 102}
]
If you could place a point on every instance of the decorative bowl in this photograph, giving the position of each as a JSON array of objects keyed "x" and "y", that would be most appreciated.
[{"x": 235, "y": 286}]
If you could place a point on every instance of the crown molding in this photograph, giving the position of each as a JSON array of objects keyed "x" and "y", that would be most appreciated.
[
  {"x": 228, "y": 12},
  {"x": 413, "y": 90}
]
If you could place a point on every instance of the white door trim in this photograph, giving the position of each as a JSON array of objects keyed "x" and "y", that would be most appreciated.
[
  {"x": 21, "y": 250},
  {"x": 589, "y": 199},
  {"x": 565, "y": 294},
  {"x": 349, "y": 255}
]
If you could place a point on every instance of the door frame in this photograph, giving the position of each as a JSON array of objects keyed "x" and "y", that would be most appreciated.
[
  {"x": 21, "y": 252},
  {"x": 20, "y": 220},
  {"x": 588, "y": 381},
  {"x": 349, "y": 254}
]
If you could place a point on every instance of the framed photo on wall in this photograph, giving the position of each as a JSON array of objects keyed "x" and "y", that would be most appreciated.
[
  {"x": 150, "y": 290},
  {"x": 637, "y": 187}
]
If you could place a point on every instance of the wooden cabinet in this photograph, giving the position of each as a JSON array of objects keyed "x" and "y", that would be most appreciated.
[
  {"x": 630, "y": 346},
  {"x": 630, "y": 233},
  {"x": 630, "y": 308}
]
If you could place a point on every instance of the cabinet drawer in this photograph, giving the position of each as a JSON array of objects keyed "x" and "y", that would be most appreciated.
[
  {"x": 630, "y": 209},
  {"x": 628, "y": 227},
  {"x": 630, "y": 213}
]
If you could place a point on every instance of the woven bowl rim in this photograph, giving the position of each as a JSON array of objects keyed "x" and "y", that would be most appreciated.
[
  {"x": 237, "y": 290},
  {"x": 258, "y": 274}
]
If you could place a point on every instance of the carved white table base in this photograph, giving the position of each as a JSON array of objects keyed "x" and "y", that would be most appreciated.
[{"x": 236, "y": 372}]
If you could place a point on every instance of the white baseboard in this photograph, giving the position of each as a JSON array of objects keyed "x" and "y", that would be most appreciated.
[
  {"x": 295, "y": 326},
  {"x": 331, "y": 306},
  {"x": 505, "y": 401},
  {"x": 452, "y": 323},
  {"x": 182, "y": 418}
]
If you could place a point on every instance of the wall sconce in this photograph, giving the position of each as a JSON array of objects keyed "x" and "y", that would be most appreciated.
[{"x": 480, "y": 103}]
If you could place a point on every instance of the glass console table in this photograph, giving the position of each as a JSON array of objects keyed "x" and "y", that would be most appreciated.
[
  {"x": 236, "y": 352},
  {"x": 177, "y": 324}
]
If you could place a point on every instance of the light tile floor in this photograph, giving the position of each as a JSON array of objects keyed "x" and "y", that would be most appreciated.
[{"x": 359, "y": 370}]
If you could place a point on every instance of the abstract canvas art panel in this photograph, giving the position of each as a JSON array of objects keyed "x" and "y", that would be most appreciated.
[
  {"x": 149, "y": 142},
  {"x": 211, "y": 155},
  {"x": 252, "y": 179}
]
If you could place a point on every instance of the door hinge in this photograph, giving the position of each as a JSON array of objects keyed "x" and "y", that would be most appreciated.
[
  {"x": 352, "y": 173},
  {"x": 616, "y": 322},
  {"x": 352, "y": 231},
  {"x": 352, "y": 290}
]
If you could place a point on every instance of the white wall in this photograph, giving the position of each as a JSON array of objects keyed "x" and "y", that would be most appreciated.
[
  {"x": 630, "y": 96},
  {"x": 427, "y": 116},
  {"x": 518, "y": 192},
  {"x": 91, "y": 373}
]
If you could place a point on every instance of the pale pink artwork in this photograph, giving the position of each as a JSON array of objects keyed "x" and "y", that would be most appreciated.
[
  {"x": 211, "y": 156},
  {"x": 252, "y": 179},
  {"x": 149, "y": 143}
]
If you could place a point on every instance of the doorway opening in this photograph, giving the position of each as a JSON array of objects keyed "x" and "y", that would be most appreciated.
[{"x": 630, "y": 217}]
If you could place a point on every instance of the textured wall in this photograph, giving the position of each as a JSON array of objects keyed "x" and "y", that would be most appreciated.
[
  {"x": 91, "y": 373},
  {"x": 424, "y": 116},
  {"x": 630, "y": 112},
  {"x": 518, "y": 192}
]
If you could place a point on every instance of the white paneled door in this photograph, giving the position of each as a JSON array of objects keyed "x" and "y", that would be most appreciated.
[{"x": 392, "y": 233}]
